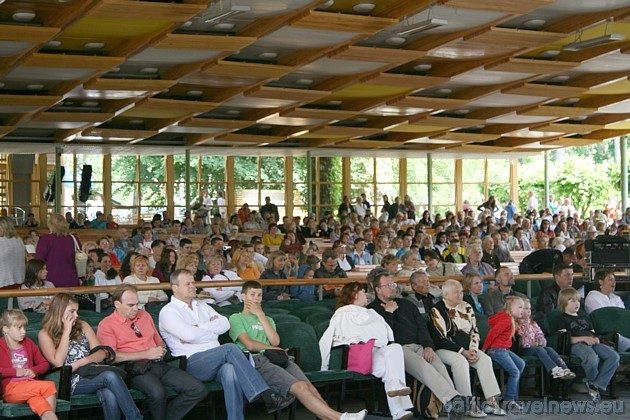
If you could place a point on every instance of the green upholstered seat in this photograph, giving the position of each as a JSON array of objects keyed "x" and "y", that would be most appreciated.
[{"x": 9, "y": 410}]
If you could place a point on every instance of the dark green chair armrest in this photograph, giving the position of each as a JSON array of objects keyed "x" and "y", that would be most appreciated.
[
  {"x": 295, "y": 352},
  {"x": 61, "y": 376}
]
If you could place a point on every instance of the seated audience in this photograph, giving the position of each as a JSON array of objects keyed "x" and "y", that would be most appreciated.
[
  {"x": 222, "y": 295},
  {"x": 276, "y": 270},
  {"x": 494, "y": 302},
  {"x": 437, "y": 268},
  {"x": 421, "y": 295},
  {"x": 139, "y": 275},
  {"x": 473, "y": 288}
]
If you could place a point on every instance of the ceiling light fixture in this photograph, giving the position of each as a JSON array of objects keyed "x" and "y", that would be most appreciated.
[
  {"x": 268, "y": 55},
  {"x": 149, "y": 70},
  {"x": 561, "y": 78},
  {"x": 534, "y": 23},
  {"x": 93, "y": 45},
  {"x": 304, "y": 82},
  {"x": 89, "y": 104},
  {"x": 334, "y": 103},
  {"x": 328, "y": 4},
  {"x": 422, "y": 67},
  {"x": 224, "y": 26},
  {"x": 363, "y": 7},
  {"x": 23, "y": 16},
  {"x": 395, "y": 40},
  {"x": 579, "y": 45},
  {"x": 194, "y": 93},
  {"x": 234, "y": 10},
  {"x": 1, "y": 85},
  {"x": 53, "y": 44},
  {"x": 444, "y": 91},
  {"x": 35, "y": 86},
  {"x": 549, "y": 53},
  {"x": 425, "y": 25}
]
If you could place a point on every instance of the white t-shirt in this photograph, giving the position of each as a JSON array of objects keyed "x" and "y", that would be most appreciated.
[
  {"x": 596, "y": 299},
  {"x": 101, "y": 280}
]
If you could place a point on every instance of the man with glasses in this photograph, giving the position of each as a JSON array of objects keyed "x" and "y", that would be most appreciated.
[
  {"x": 132, "y": 334},
  {"x": 411, "y": 332}
]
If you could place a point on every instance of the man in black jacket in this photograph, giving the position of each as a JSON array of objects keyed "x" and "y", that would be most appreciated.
[
  {"x": 548, "y": 297},
  {"x": 411, "y": 332}
]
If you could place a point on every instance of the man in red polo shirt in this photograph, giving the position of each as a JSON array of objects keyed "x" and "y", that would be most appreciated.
[{"x": 132, "y": 334}]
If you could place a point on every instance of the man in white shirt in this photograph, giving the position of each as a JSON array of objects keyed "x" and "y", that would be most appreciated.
[{"x": 191, "y": 328}]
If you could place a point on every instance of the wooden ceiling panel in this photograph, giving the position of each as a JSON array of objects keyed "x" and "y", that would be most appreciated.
[{"x": 350, "y": 79}]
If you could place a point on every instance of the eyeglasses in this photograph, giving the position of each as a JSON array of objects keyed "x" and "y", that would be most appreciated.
[
  {"x": 136, "y": 330},
  {"x": 390, "y": 285}
]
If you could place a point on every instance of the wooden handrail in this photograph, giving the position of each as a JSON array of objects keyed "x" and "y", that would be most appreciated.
[{"x": 12, "y": 293}]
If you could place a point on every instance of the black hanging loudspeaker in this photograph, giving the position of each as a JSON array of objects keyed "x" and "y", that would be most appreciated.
[{"x": 86, "y": 183}]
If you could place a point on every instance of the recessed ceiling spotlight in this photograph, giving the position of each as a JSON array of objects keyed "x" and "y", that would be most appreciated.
[
  {"x": 361, "y": 120},
  {"x": 363, "y": 7},
  {"x": 93, "y": 45},
  {"x": 149, "y": 70},
  {"x": 187, "y": 24},
  {"x": 115, "y": 70},
  {"x": 89, "y": 104},
  {"x": 304, "y": 82},
  {"x": 194, "y": 93},
  {"x": 23, "y": 16},
  {"x": 233, "y": 112},
  {"x": 571, "y": 100},
  {"x": 136, "y": 122},
  {"x": 334, "y": 103},
  {"x": 53, "y": 44},
  {"x": 443, "y": 91},
  {"x": 422, "y": 67},
  {"x": 395, "y": 40},
  {"x": 534, "y": 23},
  {"x": 35, "y": 86},
  {"x": 579, "y": 118},
  {"x": 327, "y": 5},
  {"x": 268, "y": 55},
  {"x": 462, "y": 111},
  {"x": 549, "y": 53},
  {"x": 1, "y": 85},
  {"x": 264, "y": 127},
  {"x": 224, "y": 26},
  {"x": 561, "y": 78}
]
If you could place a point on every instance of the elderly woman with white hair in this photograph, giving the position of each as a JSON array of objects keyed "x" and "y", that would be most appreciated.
[{"x": 453, "y": 327}]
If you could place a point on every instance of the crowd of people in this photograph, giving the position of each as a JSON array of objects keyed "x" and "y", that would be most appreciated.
[{"x": 252, "y": 245}]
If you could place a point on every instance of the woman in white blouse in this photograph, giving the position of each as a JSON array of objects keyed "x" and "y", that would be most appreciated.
[
  {"x": 222, "y": 295},
  {"x": 139, "y": 270},
  {"x": 353, "y": 323},
  {"x": 606, "y": 297},
  {"x": 519, "y": 242}
]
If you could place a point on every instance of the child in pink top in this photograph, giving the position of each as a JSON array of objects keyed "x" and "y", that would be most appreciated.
[
  {"x": 20, "y": 364},
  {"x": 534, "y": 343}
]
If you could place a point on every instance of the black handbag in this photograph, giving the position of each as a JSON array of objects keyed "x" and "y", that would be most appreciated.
[
  {"x": 94, "y": 369},
  {"x": 278, "y": 357}
]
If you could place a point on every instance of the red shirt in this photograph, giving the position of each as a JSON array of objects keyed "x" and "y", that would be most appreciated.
[
  {"x": 35, "y": 361},
  {"x": 501, "y": 332},
  {"x": 116, "y": 331}
]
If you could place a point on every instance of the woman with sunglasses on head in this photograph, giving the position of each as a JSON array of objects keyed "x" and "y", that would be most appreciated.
[{"x": 66, "y": 340}]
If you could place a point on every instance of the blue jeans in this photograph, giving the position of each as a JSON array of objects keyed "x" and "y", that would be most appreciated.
[
  {"x": 599, "y": 362},
  {"x": 228, "y": 365},
  {"x": 112, "y": 393},
  {"x": 514, "y": 367},
  {"x": 548, "y": 356}
]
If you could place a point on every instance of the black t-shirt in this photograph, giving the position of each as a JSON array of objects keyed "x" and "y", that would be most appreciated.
[{"x": 578, "y": 326}]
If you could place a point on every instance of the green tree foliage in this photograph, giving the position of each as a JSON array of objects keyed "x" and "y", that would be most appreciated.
[{"x": 588, "y": 174}]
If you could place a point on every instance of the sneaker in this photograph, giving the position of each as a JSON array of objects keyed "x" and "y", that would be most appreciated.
[
  {"x": 455, "y": 407},
  {"x": 402, "y": 392},
  {"x": 278, "y": 402},
  {"x": 494, "y": 409},
  {"x": 475, "y": 412},
  {"x": 593, "y": 392},
  {"x": 403, "y": 415},
  {"x": 557, "y": 373},
  {"x": 354, "y": 416},
  {"x": 513, "y": 406},
  {"x": 568, "y": 374}
]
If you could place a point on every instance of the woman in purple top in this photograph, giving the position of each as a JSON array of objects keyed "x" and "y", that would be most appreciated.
[{"x": 57, "y": 249}]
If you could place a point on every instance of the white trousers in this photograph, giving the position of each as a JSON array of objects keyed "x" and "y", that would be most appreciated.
[
  {"x": 434, "y": 374},
  {"x": 461, "y": 372},
  {"x": 388, "y": 364}
]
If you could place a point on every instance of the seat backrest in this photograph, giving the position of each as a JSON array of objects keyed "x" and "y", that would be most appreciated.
[
  {"x": 483, "y": 326},
  {"x": 304, "y": 312},
  {"x": 301, "y": 335},
  {"x": 318, "y": 317},
  {"x": 609, "y": 319}
]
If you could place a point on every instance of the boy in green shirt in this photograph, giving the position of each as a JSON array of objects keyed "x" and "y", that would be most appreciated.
[{"x": 255, "y": 332}]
